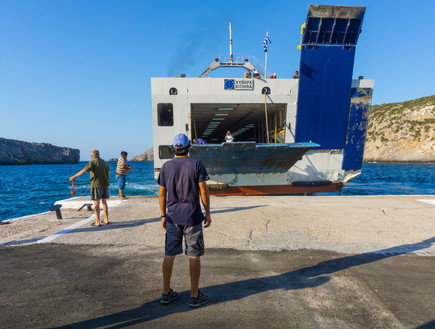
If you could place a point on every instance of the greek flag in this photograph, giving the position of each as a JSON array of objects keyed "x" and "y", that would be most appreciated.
[{"x": 265, "y": 43}]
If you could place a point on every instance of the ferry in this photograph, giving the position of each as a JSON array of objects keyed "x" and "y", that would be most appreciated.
[{"x": 291, "y": 136}]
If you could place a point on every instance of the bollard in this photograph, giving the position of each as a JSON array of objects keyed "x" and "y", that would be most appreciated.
[
  {"x": 88, "y": 205},
  {"x": 56, "y": 209}
]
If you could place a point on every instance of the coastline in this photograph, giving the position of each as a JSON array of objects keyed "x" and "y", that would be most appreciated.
[{"x": 146, "y": 161}]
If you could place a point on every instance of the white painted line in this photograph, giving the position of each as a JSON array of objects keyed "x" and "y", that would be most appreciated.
[
  {"x": 77, "y": 225},
  {"x": 73, "y": 203},
  {"x": 50, "y": 238},
  {"x": 68, "y": 229},
  {"x": 429, "y": 201}
]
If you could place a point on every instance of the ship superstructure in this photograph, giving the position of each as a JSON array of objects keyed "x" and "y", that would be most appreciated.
[{"x": 291, "y": 135}]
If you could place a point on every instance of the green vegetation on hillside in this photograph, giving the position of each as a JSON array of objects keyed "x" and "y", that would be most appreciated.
[
  {"x": 399, "y": 119},
  {"x": 395, "y": 109}
]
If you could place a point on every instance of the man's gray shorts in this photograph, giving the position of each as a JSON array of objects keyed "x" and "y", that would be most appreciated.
[
  {"x": 98, "y": 193},
  {"x": 193, "y": 240}
]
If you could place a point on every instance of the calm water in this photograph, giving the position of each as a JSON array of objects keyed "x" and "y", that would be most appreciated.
[
  {"x": 31, "y": 189},
  {"x": 26, "y": 190}
]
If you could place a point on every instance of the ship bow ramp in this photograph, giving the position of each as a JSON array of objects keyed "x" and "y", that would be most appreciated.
[
  {"x": 333, "y": 109},
  {"x": 249, "y": 157}
]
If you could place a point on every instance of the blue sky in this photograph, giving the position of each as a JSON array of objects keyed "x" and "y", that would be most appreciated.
[{"x": 77, "y": 73}]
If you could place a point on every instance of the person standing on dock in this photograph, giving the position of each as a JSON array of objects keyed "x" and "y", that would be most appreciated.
[
  {"x": 99, "y": 172},
  {"x": 122, "y": 170},
  {"x": 182, "y": 182}
]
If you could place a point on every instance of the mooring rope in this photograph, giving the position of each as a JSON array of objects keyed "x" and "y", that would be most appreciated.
[
  {"x": 265, "y": 112},
  {"x": 78, "y": 189}
]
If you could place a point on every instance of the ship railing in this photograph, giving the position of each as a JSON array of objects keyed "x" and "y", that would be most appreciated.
[{"x": 247, "y": 61}]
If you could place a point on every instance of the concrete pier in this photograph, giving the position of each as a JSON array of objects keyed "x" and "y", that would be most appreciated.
[{"x": 271, "y": 261}]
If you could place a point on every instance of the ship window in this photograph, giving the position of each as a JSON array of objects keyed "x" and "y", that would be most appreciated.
[
  {"x": 173, "y": 91},
  {"x": 165, "y": 112},
  {"x": 165, "y": 152},
  {"x": 265, "y": 90}
]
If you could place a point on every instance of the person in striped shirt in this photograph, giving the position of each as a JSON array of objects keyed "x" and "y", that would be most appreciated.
[{"x": 122, "y": 170}]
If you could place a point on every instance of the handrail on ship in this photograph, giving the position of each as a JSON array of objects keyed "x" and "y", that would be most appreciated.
[{"x": 248, "y": 62}]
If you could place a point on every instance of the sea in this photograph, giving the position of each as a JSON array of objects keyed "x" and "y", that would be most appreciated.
[{"x": 31, "y": 189}]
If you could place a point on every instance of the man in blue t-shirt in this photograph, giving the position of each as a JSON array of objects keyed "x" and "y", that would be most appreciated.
[{"x": 182, "y": 182}]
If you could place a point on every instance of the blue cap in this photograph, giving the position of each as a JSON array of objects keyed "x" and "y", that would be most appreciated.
[{"x": 180, "y": 141}]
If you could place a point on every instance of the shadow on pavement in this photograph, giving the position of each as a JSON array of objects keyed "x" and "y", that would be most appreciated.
[
  {"x": 235, "y": 209},
  {"x": 139, "y": 222},
  {"x": 20, "y": 242},
  {"x": 429, "y": 325},
  {"x": 303, "y": 278}
]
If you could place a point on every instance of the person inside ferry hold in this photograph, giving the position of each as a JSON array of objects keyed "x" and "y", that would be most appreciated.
[
  {"x": 296, "y": 76},
  {"x": 229, "y": 137},
  {"x": 248, "y": 74},
  {"x": 201, "y": 141}
]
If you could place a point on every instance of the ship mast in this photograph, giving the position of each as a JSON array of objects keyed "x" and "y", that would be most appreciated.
[
  {"x": 265, "y": 61},
  {"x": 246, "y": 61},
  {"x": 231, "y": 44}
]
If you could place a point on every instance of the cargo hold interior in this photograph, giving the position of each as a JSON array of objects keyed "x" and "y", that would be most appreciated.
[{"x": 246, "y": 122}]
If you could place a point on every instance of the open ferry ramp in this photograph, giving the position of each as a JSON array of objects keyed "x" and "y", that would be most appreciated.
[{"x": 270, "y": 262}]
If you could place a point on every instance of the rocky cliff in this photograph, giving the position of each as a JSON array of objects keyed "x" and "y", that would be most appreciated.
[
  {"x": 402, "y": 132},
  {"x": 14, "y": 152},
  {"x": 147, "y": 156}
]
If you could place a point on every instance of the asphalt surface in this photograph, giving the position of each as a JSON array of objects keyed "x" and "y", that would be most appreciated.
[
  {"x": 270, "y": 262},
  {"x": 99, "y": 286}
]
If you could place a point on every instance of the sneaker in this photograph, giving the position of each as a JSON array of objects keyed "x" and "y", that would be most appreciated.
[
  {"x": 198, "y": 301},
  {"x": 169, "y": 297}
]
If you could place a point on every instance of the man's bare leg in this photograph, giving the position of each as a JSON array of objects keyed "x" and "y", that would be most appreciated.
[
  {"x": 97, "y": 212},
  {"x": 195, "y": 272},
  {"x": 168, "y": 264},
  {"x": 106, "y": 211},
  {"x": 121, "y": 194}
]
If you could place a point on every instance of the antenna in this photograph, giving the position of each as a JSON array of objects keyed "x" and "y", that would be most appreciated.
[{"x": 231, "y": 44}]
